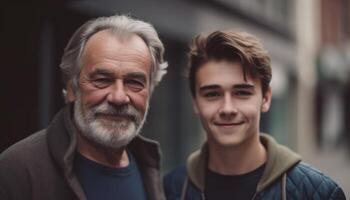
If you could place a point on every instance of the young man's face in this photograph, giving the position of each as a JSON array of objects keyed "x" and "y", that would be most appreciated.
[{"x": 228, "y": 106}]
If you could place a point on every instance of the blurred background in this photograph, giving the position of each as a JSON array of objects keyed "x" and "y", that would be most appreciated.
[{"x": 309, "y": 43}]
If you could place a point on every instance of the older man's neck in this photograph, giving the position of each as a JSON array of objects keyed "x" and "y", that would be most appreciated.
[{"x": 106, "y": 156}]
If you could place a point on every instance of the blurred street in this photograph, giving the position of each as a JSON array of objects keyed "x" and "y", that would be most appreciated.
[
  {"x": 335, "y": 163},
  {"x": 308, "y": 41}
]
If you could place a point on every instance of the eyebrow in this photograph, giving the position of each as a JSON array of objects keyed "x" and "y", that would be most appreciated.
[
  {"x": 137, "y": 75},
  {"x": 208, "y": 87},
  {"x": 243, "y": 86},
  {"x": 237, "y": 86},
  {"x": 101, "y": 72}
]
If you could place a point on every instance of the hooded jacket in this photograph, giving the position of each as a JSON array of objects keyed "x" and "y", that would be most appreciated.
[
  {"x": 284, "y": 176},
  {"x": 40, "y": 167}
]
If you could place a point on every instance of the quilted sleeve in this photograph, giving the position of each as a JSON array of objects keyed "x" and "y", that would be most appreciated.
[
  {"x": 338, "y": 194},
  {"x": 306, "y": 182}
]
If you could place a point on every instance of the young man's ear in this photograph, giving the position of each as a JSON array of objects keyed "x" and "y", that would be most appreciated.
[
  {"x": 70, "y": 92},
  {"x": 266, "y": 101}
]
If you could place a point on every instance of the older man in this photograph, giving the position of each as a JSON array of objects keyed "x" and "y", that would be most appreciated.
[{"x": 91, "y": 149}]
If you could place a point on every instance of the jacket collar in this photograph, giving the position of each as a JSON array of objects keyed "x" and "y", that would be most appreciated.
[
  {"x": 279, "y": 160},
  {"x": 62, "y": 140}
]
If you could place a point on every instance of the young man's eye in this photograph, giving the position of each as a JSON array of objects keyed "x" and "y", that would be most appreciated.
[
  {"x": 134, "y": 85},
  {"x": 102, "y": 82},
  {"x": 211, "y": 95},
  {"x": 243, "y": 93}
]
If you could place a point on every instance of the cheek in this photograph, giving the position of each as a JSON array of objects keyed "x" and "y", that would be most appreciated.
[
  {"x": 139, "y": 100},
  {"x": 92, "y": 98},
  {"x": 251, "y": 111},
  {"x": 207, "y": 111}
]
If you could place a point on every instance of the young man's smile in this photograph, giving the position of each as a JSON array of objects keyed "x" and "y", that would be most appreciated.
[{"x": 228, "y": 104}]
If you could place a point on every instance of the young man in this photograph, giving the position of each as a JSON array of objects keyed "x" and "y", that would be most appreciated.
[
  {"x": 92, "y": 148},
  {"x": 229, "y": 77}
]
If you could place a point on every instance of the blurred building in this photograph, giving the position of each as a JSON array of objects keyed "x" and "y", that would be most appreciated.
[
  {"x": 33, "y": 36},
  {"x": 333, "y": 73},
  {"x": 323, "y": 32}
]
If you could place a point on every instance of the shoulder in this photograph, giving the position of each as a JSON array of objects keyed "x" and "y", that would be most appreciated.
[
  {"x": 23, "y": 155},
  {"x": 18, "y": 162},
  {"x": 25, "y": 149},
  {"x": 303, "y": 179},
  {"x": 173, "y": 182}
]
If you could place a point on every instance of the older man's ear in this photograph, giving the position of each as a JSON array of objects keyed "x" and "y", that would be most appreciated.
[{"x": 70, "y": 92}]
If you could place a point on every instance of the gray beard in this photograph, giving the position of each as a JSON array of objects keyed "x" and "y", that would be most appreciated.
[{"x": 109, "y": 133}]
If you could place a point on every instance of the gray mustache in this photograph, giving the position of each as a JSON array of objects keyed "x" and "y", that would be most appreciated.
[{"x": 127, "y": 111}]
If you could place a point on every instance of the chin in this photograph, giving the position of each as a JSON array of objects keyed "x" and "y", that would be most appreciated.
[
  {"x": 230, "y": 143},
  {"x": 115, "y": 137},
  {"x": 230, "y": 139}
]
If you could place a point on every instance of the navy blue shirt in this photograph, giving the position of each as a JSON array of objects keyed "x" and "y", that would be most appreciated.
[
  {"x": 103, "y": 182},
  {"x": 229, "y": 187}
]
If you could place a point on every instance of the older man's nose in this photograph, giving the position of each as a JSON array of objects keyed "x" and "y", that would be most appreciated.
[{"x": 118, "y": 95}]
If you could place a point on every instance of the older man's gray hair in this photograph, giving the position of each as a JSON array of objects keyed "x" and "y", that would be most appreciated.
[{"x": 122, "y": 26}]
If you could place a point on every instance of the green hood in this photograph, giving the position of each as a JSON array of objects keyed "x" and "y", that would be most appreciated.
[{"x": 279, "y": 160}]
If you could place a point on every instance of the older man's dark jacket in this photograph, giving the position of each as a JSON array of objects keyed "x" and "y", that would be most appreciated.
[
  {"x": 284, "y": 177},
  {"x": 40, "y": 167}
]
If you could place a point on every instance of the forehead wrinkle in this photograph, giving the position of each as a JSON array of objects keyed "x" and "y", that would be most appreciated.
[
  {"x": 108, "y": 64},
  {"x": 107, "y": 46},
  {"x": 136, "y": 58}
]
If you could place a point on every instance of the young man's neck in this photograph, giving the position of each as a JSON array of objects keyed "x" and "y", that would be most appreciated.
[
  {"x": 238, "y": 159},
  {"x": 105, "y": 156}
]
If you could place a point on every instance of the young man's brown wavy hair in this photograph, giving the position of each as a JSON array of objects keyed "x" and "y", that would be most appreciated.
[{"x": 234, "y": 47}]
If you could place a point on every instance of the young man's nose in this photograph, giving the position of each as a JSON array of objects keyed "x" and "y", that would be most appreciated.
[{"x": 228, "y": 107}]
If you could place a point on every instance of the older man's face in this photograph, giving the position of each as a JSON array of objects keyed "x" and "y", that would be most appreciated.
[{"x": 112, "y": 100}]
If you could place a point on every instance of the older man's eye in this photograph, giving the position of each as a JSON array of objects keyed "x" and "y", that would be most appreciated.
[
  {"x": 102, "y": 82},
  {"x": 134, "y": 85}
]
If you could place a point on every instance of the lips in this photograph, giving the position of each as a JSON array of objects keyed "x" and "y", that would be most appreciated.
[
  {"x": 114, "y": 117},
  {"x": 227, "y": 124}
]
